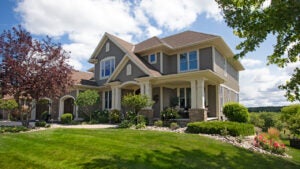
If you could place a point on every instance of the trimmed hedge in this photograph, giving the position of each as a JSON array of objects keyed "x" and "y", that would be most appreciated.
[
  {"x": 66, "y": 118},
  {"x": 236, "y": 112},
  {"x": 217, "y": 127},
  {"x": 12, "y": 129},
  {"x": 40, "y": 124}
]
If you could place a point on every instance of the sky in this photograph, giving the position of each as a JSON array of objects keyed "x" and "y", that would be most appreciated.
[{"x": 79, "y": 25}]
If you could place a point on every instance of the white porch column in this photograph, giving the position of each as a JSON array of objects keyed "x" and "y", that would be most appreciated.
[
  {"x": 148, "y": 90},
  {"x": 113, "y": 97},
  {"x": 200, "y": 94},
  {"x": 142, "y": 86},
  {"x": 161, "y": 98},
  {"x": 218, "y": 101},
  {"x": 118, "y": 98},
  {"x": 33, "y": 111},
  {"x": 193, "y": 94}
]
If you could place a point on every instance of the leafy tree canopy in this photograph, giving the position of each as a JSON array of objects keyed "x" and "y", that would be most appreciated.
[
  {"x": 87, "y": 98},
  {"x": 136, "y": 102},
  {"x": 8, "y": 104},
  {"x": 254, "y": 20}
]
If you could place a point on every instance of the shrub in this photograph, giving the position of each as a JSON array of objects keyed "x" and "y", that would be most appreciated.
[
  {"x": 236, "y": 112},
  {"x": 40, "y": 124},
  {"x": 169, "y": 113},
  {"x": 256, "y": 120},
  {"x": 273, "y": 133},
  {"x": 99, "y": 117},
  {"x": 216, "y": 127},
  {"x": 130, "y": 116},
  {"x": 66, "y": 118},
  {"x": 45, "y": 115},
  {"x": 140, "y": 125},
  {"x": 140, "y": 119},
  {"x": 114, "y": 116},
  {"x": 12, "y": 129},
  {"x": 158, "y": 123},
  {"x": 291, "y": 116},
  {"x": 125, "y": 124},
  {"x": 174, "y": 126}
]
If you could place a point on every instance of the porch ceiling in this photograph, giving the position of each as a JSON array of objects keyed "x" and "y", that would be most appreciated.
[{"x": 184, "y": 78}]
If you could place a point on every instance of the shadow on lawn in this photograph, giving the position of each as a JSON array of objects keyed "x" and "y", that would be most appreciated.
[{"x": 180, "y": 158}]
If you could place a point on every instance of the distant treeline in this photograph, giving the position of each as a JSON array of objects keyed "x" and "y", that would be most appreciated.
[{"x": 265, "y": 109}]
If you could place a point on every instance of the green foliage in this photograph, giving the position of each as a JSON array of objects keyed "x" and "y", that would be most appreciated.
[
  {"x": 115, "y": 116},
  {"x": 158, "y": 123},
  {"x": 253, "y": 23},
  {"x": 169, "y": 113},
  {"x": 12, "y": 129},
  {"x": 40, "y": 124},
  {"x": 125, "y": 124},
  {"x": 44, "y": 115},
  {"x": 66, "y": 118},
  {"x": 290, "y": 115},
  {"x": 136, "y": 102},
  {"x": 86, "y": 99},
  {"x": 236, "y": 112},
  {"x": 216, "y": 127},
  {"x": 256, "y": 120},
  {"x": 266, "y": 120},
  {"x": 8, "y": 104},
  {"x": 99, "y": 117},
  {"x": 174, "y": 126},
  {"x": 140, "y": 125}
]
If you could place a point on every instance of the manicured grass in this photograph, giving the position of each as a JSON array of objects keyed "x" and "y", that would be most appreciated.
[{"x": 124, "y": 148}]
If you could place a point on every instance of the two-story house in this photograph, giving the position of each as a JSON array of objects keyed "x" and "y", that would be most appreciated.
[{"x": 195, "y": 71}]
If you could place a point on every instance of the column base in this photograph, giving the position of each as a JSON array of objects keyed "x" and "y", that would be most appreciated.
[
  {"x": 198, "y": 115},
  {"x": 148, "y": 113}
]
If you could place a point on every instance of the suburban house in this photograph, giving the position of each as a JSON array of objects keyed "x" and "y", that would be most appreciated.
[{"x": 192, "y": 71}]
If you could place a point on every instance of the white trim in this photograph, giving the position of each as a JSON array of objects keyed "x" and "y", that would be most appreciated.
[
  {"x": 149, "y": 58},
  {"x": 161, "y": 62},
  {"x": 188, "y": 61},
  {"x": 106, "y": 59},
  {"x": 129, "y": 82},
  {"x": 128, "y": 70},
  {"x": 225, "y": 67},
  {"x": 107, "y": 47},
  {"x": 229, "y": 88}
]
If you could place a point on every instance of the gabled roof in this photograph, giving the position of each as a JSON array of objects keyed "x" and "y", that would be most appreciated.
[
  {"x": 128, "y": 49},
  {"x": 78, "y": 76}
]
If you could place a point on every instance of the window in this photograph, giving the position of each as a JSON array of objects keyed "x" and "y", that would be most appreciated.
[
  {"x": 185, "y": 97},
  {"x": 188, "y": 61},
  {"x": 107, "y": 47},
  {"x": 128, "y": 70},
  {"x": 108, "y": 99},
  {"x": 107, "y": 67},
  {"x": 152, "y": 58}
]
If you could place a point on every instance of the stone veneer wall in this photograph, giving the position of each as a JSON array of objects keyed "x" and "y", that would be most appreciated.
[
  {"x": 148, "y": 113},
  {"x": 198, "y": 115}
]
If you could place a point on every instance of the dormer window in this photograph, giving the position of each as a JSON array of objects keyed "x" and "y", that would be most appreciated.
[
  {"x": 107, "y": 47},
  {"x": 107, "y": 67},
  {"x": 152, "y": 58},
  {"x": 128, "y": 70}
]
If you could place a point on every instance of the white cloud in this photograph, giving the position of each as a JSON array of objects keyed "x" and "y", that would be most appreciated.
[
  {"x": 178, "y": 14},
  {"x": 251, "y": 62}
]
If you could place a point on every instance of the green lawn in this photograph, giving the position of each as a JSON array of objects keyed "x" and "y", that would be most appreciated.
[{"x": 123, "y": 148}]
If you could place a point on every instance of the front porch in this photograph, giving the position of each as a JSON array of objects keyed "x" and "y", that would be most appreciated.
[{"x": 195, "y": 94}]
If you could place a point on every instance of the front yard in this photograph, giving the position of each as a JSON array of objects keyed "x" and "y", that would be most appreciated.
[{"x": 124, "y": 148}]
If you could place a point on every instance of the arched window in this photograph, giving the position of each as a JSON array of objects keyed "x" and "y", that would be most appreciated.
[{"x": 107, "y": 67}]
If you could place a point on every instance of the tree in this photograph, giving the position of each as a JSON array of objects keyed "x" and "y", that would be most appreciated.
[
  {"x": 254, "y": 20},
  {"x": 136, "y": 102},
  {"x": 291, "y": 116},
  {"x": 86, "y": 99},
  {"x": 32, "y": 68},
  {"x": 8, "y": 105}
]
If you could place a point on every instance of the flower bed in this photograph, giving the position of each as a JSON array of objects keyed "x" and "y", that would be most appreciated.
[{"x": 266, "y": 143}]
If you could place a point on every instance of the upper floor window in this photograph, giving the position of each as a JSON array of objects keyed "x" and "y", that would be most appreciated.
[
  {"x": 107, "y": 47},
  {"x": 188, "y": 61},
  {"x": 107, "y": 67},
  {"x": 152, "y": 58}
]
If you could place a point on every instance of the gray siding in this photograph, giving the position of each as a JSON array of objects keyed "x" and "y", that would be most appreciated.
[
  {"x": 168, "y": 95},
  {"x": 136, "y": 72},
  {"x": 205, "y": 59},
  {"x": 113, "y": 51},
  {"x": 170, "y": 64}
]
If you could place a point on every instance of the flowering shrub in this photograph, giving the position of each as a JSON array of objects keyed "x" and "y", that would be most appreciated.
[
  {"x": 169, "y": 113},
  {"x": 267, "y": 143}
]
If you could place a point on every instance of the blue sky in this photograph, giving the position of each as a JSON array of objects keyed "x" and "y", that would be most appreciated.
[{"x": 79, "y": 25}]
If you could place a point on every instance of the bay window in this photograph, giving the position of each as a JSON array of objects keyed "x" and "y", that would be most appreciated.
[{"x": 107, "y": 67}]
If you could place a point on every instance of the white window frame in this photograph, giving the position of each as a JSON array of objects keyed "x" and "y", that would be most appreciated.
[
  {"x": 107, "y": 46},
  {"x": 104, "y": 60},
  {"x": 128, "y": 70},
  {"x": 185, "y": 96},
  {"x": 149, "y": 58},
  {"x": 188, "y": 61}
]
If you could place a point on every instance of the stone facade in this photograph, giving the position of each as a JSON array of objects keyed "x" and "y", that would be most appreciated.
[
  {"x": 198, "y": 115},
  {"x": 148, "y": 113}
]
